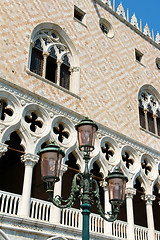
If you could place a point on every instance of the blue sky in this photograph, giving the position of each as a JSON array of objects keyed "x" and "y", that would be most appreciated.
[{"x": 147, "y": 10}]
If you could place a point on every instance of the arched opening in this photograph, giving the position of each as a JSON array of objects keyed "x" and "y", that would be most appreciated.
[
  {"x": 139, "y": 207},
  {"x": 98, "y": 177},
  {"x": 156, "y": 207},
  {"x": 11, "y": 168},
  {"x": 68, "y": 177},
  {"x": 38, "y": 186}
]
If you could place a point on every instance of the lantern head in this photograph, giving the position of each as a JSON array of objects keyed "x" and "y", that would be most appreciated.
[
  {"x": 51, "y": 157},
  {"x": 117, "y": 184},
  {"x": 86, "y": 130}
]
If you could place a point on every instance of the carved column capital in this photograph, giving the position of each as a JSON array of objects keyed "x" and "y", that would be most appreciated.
[
  {"x": 59, "y": 61},
  {"x": 3, "y": 149},
  {"x": 130, "y": 192},
  {"x": 30, "y": 159},
  {"x": 64, "y": 168},
  {"x": 74, "y": 69},
  {"x": 148, "y": 198},
  {"x": 45, "y": 53},
  {"x": 104, "y": 184}
]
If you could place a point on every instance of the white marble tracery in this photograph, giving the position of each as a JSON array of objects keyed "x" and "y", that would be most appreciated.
[
  {"x": 109, "y": 147},
  {"x": 51, "y": 39}
]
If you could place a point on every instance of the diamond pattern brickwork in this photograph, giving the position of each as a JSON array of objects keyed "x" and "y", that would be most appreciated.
[{"x": 110, "y": 77}]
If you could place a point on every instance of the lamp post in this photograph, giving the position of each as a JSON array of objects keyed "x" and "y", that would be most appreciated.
[{"x": 84, "y": 186}]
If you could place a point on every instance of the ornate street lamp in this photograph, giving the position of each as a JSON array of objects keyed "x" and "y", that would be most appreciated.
[{"x": 84, "y": 186}]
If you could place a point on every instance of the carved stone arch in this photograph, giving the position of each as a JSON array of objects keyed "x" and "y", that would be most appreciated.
[
  {"x": 142, "y": 180},
  {"x": 74, "y": 59},
  {"x": 80, "y": 161},
  {"x": 3, "y": 236},
  {"x": 102, "y": 167},
  {"x": 57, "y": 238},
  {"x": 46, "y": 139}
]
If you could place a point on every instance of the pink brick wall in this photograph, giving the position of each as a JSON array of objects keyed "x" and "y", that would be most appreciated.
[{"x": 110, "y": 77}]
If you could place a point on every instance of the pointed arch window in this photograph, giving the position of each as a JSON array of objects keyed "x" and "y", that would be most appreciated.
[
  {"x": 149, "y": 112},
  {"x": 52, "y": 59}
]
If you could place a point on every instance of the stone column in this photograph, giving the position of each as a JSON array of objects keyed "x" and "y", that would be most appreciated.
[
  {"x": 107, "y": 208},
  {"x": 130, "y": 192},
  {"x": 45, "y": 55},
  {"x": 29, "y": 160},
  {"x": 3, "y": 149},
  {"x": 55, "y": 211},
  {"x": 148, "y": 198},
  {"x": 155, "y": 123},
  {"x": 146, "y": 118},
  {"x": 59, "y": 62}
]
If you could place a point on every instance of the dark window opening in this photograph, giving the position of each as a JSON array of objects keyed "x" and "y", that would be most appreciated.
[
  {"x": 78, "y": 14},
  {"x": 98, "y": 177},
  {"x": 11, "y": 167},
  {"x": 36, "y": 62},
  {"x": 51, "y": 69},
  {"x": 65, "y": 77},
  {"x": 158, "y": 125},
  {"x": 104, "y": 28},
  {"x": 138, "y": 56},
  {"x": 150, "y": 122},
  {"x": 156, "y": 208},
  {"x": 38, "y": 186},
  {"x": 68, "y": 177},
  {"x": 139, "y": 206},
  {"x": 142, "y": 117}
]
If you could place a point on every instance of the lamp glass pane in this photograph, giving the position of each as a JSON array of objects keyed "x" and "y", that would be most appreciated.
[
  {"x": 51, "y": 163},
  {"x": 86, "y": 135},
  {"x": 116, "y": 189}
]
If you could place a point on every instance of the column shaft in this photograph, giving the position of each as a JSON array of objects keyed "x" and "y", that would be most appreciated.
[
  {"x": 30, "y": 160},
  {"x": 130, "y": 217}
]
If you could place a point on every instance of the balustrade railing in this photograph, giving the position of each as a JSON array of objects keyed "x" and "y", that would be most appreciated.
[
  {"x": 9, "y": 202},
  {"x": 157, "y": 235},
  {"x": 96, "y": 223},
  {"x": 140, "y": 233},
  {"x": 119, "y": 229},
  {"x": 40, "y": 210},
  {"x": 71, "y": 217}
]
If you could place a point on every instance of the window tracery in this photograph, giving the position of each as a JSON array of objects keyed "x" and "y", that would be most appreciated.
[
  {"x": 149, "y": 114},
  {"x": 53, "y": 58}
]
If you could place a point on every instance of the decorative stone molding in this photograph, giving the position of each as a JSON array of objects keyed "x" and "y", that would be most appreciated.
[
  {"x": 158, "y": 38},
  {"x": 3, "y": 149},
  {"x": 29, "y": 159},
  {"x": 148, "y": 198},
  {"x": 53, "y": 115},
  {"x": 120, "y": 11},
  {"x": 147, "y": 31},
  {"x": 134, "y": 21},
  {"x": 107, "y": 2},
  {"x": 104, "y": 185},
  {"x": 130, "y": 192},
  {"x": 64, "y": 168}
]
